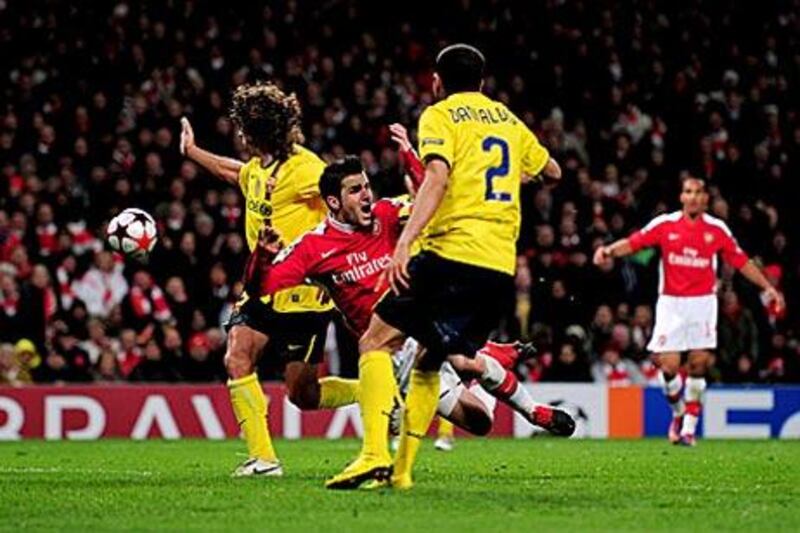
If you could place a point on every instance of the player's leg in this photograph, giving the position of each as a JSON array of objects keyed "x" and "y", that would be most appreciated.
[
  {"x": 701, "y": 335},
  {"x": 457, "y": 307},
  {"x": 250, "y": 405},
  {"x": 376, "y": 397},
  {"x": 503, "y": 385},
  {"x": 468, "y": 413},
  {"x": 445, "y": 436},
  {"x": 303, "y": 346},
  {"x": 457, "y": 404},
  {"x": 671, "y": 377},
  {"x": 694, "y": 388},
  {"x": 669, "y": 340},
  {"x": 460, "y": 407}
]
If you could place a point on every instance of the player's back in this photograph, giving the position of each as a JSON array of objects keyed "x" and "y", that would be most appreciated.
[
  {"x": 488, "y": 149},
  {"x": 287, "y": 193},
  {"x": 293, "y": 205}
]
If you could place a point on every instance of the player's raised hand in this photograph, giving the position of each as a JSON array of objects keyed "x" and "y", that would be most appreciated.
[
  {"x": 187, "y": 136},
  {"x": 400, "y": 136},
  {"x": 601, "y": 256},
  {"x": 775, "y": 296},
  {"x": 396, "y": 274},
  {"x": 269, "y": 240}
]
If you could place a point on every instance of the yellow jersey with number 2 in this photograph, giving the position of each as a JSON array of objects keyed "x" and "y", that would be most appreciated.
[
  {"x": 488, "y": 149},
  {"x": 294, "y": 207}
]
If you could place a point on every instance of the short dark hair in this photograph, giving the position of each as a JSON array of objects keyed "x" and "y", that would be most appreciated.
[
  {"x": 268, "y": 117},
  {"x": 330, "y": 183},
  {"x": 690, "y": 177},
  {"x": 460, "y": 66}
]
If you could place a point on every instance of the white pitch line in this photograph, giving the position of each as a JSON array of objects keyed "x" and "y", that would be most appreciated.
[{"x": 59, "y": 470}]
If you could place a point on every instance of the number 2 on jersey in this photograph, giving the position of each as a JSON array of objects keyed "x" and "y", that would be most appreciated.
[{"x": 498, "y": 171}]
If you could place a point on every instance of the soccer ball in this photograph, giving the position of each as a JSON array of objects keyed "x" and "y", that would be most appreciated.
[{"x": 133, "y": 233}]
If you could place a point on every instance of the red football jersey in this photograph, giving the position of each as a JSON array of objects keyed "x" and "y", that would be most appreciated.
[
  {"x": 689, "y": 252},
  {"x": 344, "y": 259}
]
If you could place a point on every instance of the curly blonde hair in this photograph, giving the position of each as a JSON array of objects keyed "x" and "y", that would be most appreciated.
[{"x": 268, "y": 118}]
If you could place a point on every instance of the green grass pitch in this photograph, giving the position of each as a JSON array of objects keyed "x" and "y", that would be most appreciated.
[{"x": 484, "y": 485}]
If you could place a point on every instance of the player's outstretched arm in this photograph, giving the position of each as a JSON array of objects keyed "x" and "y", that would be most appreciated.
[
  {"x": 755, "y": 276},
  {"x": 224, "y": 168},
  {"x": 552, "y": 172},
  {"x": 604, "y": 254},
  {"x": 416, "y": 170}
]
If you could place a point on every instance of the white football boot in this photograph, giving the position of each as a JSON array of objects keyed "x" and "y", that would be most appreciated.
[{"x": 258, "y": 467}]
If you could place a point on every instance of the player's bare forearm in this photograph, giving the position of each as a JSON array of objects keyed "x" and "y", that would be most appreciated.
[
  {"x": 428, "y": 199},
  {"x": 552, "y": 172},
  {"x": 620, "y": 248},
  {"x": 755, "y": 276},
  {"x": 224, "y": 168}
]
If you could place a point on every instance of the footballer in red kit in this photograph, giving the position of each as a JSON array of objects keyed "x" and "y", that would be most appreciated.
[
  {"x": 690, "y": 241},
  {"x": 345, "y": 259},
  {"x": 348, "y": 253}
]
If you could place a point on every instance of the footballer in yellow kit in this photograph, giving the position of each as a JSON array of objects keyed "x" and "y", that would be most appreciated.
[
  {"x": 280, "y": 187},
  {"x": 449, "y": 296},
  {"x": 488, "y": 150},
  {"x": 287, "y": 195}
]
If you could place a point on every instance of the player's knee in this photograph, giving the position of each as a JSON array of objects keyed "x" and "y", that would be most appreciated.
[
  {"x": 481, "y": 424},
  {"x": 238, "y": 359},
  {"x": 467, "y": 368},
  {"x": 237, "y": 364},
  {"x": 697, "y": 366},
  {"x": 303, "y": 397},
  {"x": 670, "y": 366}
]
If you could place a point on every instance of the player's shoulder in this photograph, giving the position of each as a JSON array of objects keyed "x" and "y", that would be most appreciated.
[
  {"x": 393, "y": 202},
  {"x": 664, "y": 218},
  {"x": 437, "y": 111},
  {"x": 303, "y": 157},
  {"x": 250, "y": 165},
  {"x": 248, "y": 169},
  {"x": 717, "y": 223},
  {"x": 304, "y": 154},
  {"x": 310, "y": 240},
  {"x": 393, "y": 207}
]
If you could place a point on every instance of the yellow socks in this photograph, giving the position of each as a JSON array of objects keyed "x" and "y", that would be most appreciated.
[
  {"x": 250, "y": 408},
  {"x": 377, "y": 388},
  {"x": 337, "y": 392},
  {"x": 446, "y": 428},
  {"x": 421, "y": 402}
]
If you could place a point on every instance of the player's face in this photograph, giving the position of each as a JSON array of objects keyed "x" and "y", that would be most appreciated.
[
  {"x": 356, "y": 205},
  {"x": 694, "y": 197}
]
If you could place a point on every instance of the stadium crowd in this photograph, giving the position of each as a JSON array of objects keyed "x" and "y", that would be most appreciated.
[{"x": 628, "y": 96}]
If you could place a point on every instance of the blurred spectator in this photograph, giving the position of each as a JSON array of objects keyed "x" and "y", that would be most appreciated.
[
  {"x": 17, "y": 362},
  {"x": 153, "y": 367},
  {"x": 568, "y": 366},
  {"x": 198, "y": 365},
  {"x": 102, "y": 287},
  {"x": 106, "y": 369},
  {"x": 65, "y": 362},
  {"x": 744, "y": 371},
  {"x": 614, "y": 370},
  {"x": 738, "y": 334}
]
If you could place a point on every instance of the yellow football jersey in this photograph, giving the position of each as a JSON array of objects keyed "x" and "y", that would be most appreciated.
[
  {"x": 294, "y": 207},
  {"x": 488, "y": 149}
]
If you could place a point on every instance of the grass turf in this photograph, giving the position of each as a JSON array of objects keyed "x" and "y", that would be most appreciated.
[{"x": 542, "y": 484}]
